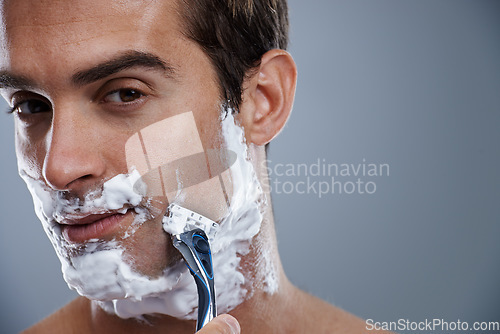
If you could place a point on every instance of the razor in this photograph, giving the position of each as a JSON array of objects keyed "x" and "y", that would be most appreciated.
[{"x": 194, "y": 246}]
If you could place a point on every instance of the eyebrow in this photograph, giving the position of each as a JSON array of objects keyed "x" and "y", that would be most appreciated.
[
  {"x": 129, "y": 59},
  {"x": 126, "y": 60},
  {"x": 8, "y": 80}
]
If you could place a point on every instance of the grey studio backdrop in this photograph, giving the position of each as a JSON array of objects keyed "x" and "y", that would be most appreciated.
[{"x": 414, "y": 85}]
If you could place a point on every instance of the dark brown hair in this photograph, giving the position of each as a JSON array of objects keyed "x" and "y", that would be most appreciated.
[{"x": 235, "y": 34}]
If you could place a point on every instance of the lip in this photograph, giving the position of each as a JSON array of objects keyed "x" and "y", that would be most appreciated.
[{"x": 95, "y": 226}]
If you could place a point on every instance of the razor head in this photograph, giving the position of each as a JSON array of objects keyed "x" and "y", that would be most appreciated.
[
  {"x": 179, "y": 219},
  {"x": 195, "y": 248}
]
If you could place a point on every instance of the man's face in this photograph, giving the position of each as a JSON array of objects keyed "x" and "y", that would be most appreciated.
[{"x": 87, "y": 76}]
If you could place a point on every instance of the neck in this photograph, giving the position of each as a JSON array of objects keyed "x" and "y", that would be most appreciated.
[
  {"x": 272, "y": 293},
  {"x": 272, "y": 296}
]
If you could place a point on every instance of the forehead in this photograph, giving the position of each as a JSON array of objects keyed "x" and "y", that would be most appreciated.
[
  {"x": 74, "y": 30},
  {"x": 52, "y": 14}
]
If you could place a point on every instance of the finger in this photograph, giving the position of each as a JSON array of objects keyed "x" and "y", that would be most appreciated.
[{"x": 223, "y": 324}]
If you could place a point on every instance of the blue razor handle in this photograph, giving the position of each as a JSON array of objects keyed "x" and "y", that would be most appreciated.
[{"x": 195, "y": 249}]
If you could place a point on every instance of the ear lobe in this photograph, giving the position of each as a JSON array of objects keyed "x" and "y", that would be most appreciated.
[{"x": 274, "y": 91}]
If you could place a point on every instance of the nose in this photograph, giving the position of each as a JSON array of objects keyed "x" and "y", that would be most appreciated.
[{"x": 73, "y": 157}]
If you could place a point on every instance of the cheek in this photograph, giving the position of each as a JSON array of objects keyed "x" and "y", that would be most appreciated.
[
  {"x": 30, "y": 156},
  {"x": 209, "y": 127},
  {"x": 179, "y": 158},
  {"x": 150, "y": 250},
  {"x": 113, "y": 152}
]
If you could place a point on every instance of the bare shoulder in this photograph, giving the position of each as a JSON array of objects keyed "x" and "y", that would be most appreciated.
[
  {"x": 323, "y": 317},
  {"x": 72, "y": 318}
]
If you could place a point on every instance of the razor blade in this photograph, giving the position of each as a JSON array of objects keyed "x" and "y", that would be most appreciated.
[{"x": 184, "y": 220}]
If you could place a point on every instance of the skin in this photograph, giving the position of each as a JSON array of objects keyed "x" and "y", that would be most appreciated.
[{"x": 77, "y": 140}]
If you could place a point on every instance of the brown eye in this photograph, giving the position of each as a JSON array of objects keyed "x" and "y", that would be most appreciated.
[
  {"x": 32, "y": 107},
  {"x": 124, "y": 96}
]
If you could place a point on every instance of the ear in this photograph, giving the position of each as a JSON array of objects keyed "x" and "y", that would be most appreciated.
[{"x": 268, "y": 97}]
